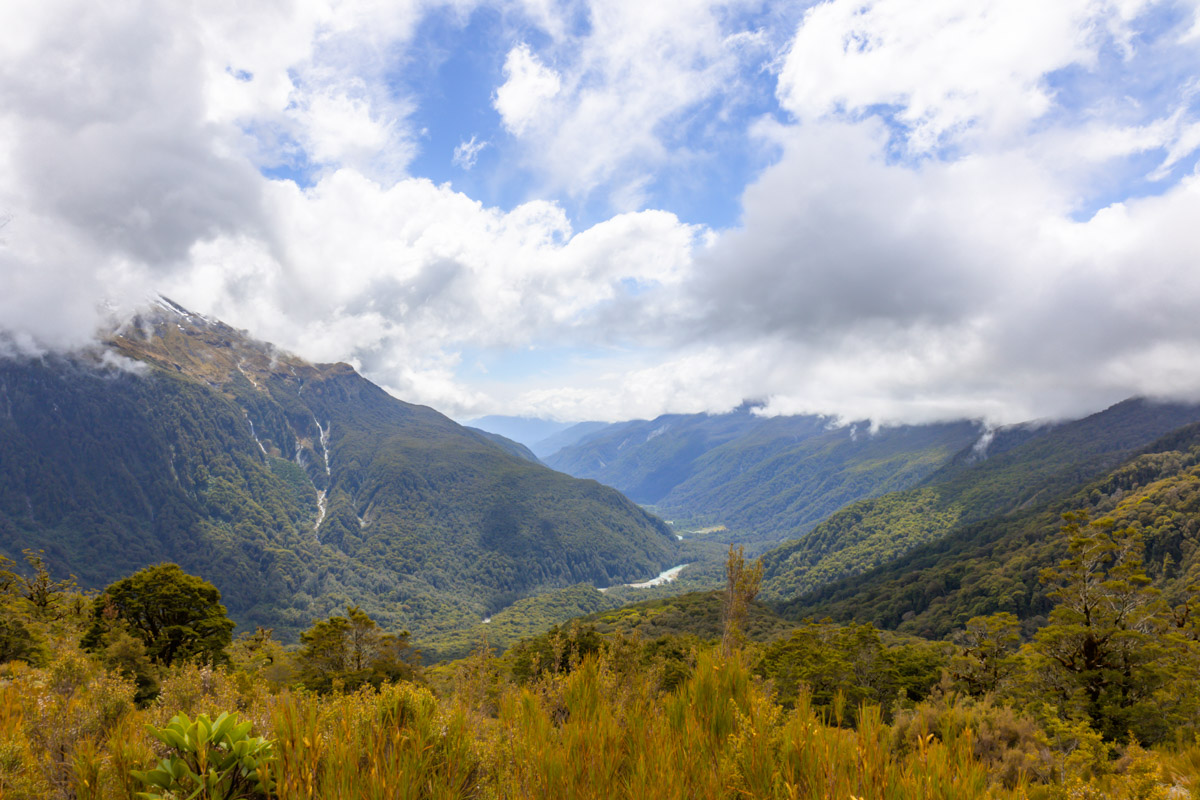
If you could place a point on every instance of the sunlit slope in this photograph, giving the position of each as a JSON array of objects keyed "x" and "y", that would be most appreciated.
[
  {"x": 1041, "y": 469},
  {"x": 993, "y": 564}
]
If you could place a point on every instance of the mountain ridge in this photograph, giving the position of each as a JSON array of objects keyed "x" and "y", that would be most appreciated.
[
  {"x": 767, "y": 478},
  {"x": 1039, "y": 469},
  {"x": 295, "y": 487}
]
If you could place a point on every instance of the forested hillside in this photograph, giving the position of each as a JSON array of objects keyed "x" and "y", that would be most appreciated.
[
  {"x": 294, "y": 487},
  {"x": 775, "y": 484},
  {"x": 647, "y": 459},
  {"x": 766, "y": 478},
  {"x": 993, "y": 564}
]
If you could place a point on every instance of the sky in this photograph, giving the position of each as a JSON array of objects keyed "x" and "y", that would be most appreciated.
[{"x": 903, "y": 210}]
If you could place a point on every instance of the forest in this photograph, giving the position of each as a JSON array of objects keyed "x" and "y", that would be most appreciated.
[
  {"x": 142, "y": 691},
  {"x": 294, "y": 488}
]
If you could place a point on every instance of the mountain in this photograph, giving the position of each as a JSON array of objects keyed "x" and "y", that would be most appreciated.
[
  {"x": 578, "y": 432},
  {"x": 525, "y": 430},
  {"x": 994, "y": 564},
  {"x": 543, "y": 437},
  {"x": 646, "y": 459},
  {"x": 774, "y": 483},
  {"x": 513, "y": 448},
  {"x": 919, "y": 541},
  {"x": 768, "y": 478},
  {"x": 294, "y": 487}
]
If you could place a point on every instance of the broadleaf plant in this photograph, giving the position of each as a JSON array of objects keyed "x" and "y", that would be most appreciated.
[{"x": 212, "y": 760}]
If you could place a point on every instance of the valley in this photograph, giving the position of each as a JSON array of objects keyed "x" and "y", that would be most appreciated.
[
  {"x": 592, "y": 400},
  {"x": 295, "y": 487},
  {"x": 361, "y": 544}
]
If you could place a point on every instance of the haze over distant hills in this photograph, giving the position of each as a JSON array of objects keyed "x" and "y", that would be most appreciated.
[
  {"x": 294, "y": 487},
  {"x": 543, "y": 437}
]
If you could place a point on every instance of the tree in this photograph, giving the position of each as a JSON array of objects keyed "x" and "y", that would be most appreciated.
[
  {"x": 262, "y": 656},
  {"x": 1102, "y": 647},
  {"x": 44, "y": 596},
  {"x": 741, "y": 587},
  {"x": 987, "y": 652},
  {"x": 178, "y": 617},
  {"x": 350, "y": 651},
  {"x": 18, "y": 642}
]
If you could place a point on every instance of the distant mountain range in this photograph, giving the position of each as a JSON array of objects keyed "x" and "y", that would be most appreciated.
[
  {"x": 916, "y": 527},
  {"x": 767, "y": 478},
  {"x": 543, "y": 437},
  {"x": 297, "y": 488},
  {"x": 294, "y": 487}
]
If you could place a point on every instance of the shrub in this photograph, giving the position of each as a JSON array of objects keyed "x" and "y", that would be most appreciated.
[{"x": 211, "y": 760}]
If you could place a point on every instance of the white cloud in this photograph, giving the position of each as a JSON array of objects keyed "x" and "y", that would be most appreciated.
[
  {"x": 606, "y": 116},
  {"x": 131, "y": 132},
  {"x": 400, "y": 278},
  {"x": 527, "y": 86},
  {"x": 340, "y": 129},
  {"x": 962, "y": 283},
  {"x": 1184, "y": 142},
  {"x": 952, "y": 70},
  {"x": 467, "y": 153}
]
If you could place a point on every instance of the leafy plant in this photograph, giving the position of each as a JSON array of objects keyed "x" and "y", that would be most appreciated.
[{"x": 212, "y": 760}]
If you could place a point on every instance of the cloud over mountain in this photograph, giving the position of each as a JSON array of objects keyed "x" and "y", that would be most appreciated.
[{"x": 946, "y": 208}]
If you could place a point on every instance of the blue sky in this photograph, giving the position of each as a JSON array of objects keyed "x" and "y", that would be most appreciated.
[
  {"x": 902, "y": 209},
  {"x": 457, "y": 65}
]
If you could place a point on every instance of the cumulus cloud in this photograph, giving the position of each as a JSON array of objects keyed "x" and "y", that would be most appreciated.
[
  {"x": 939, "y": 232},
  {"x": 950, "y": 69},
  {"x": 400, "y": 278},
  {"x": 527, "y": 86},
  {"x": 131, "y": 133},
  {"x": 963, "y": 285},
  {"x": 608, "y": 113}
]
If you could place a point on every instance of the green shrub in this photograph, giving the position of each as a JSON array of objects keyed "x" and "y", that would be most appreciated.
[{"x": 212, "y": 760}]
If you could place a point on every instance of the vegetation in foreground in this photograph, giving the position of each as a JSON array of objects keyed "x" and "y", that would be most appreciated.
[{"x": 1100, "y": 703}]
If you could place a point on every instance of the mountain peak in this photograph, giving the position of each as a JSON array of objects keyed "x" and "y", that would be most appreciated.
[{"x": 167, "y": 335}]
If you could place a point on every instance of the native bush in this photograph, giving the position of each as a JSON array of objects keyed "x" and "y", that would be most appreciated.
[{"x": 209, "y": 760}]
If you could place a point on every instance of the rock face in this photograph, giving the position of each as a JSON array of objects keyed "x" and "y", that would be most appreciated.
[{"x": 294, "y": 487}]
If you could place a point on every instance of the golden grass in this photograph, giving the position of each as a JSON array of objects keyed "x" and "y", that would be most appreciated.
[{"x": 594, "y": 733}]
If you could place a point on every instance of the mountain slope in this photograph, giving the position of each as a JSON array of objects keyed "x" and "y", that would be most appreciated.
[
  {"x": 768, "y": 478},
  {"x": 524, "y": 430},
  {"x": 293, "y": 487},
  {"x": 646, "y": 459},
  {"x": 513, "y": 448},
  {"x": 993, "y": 564},
  {"x": 579, "y": 432},
  {"x": 1033, "y": 468},
  {"x": 778, "y": 484}
]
